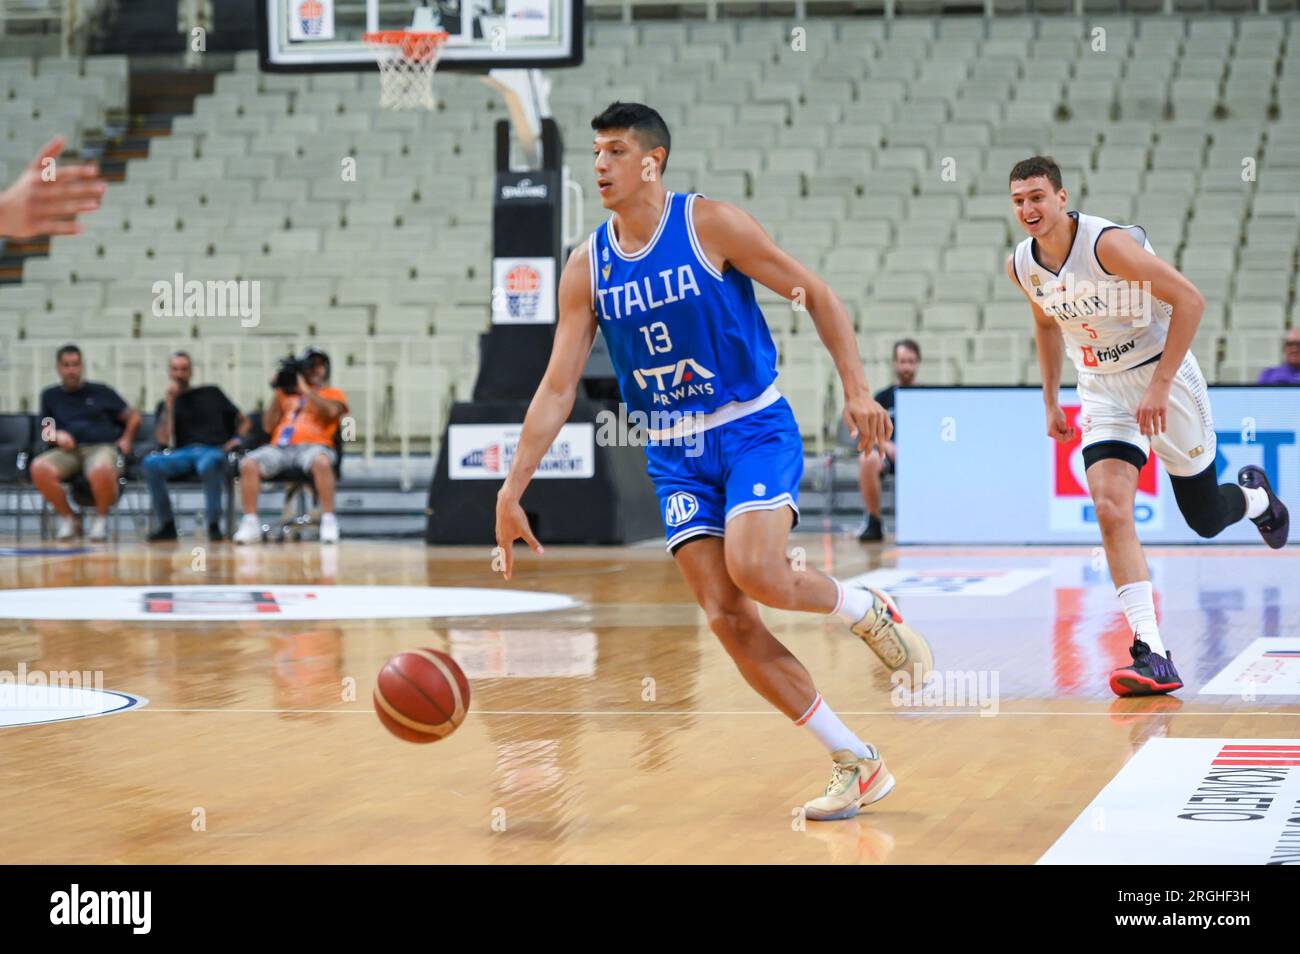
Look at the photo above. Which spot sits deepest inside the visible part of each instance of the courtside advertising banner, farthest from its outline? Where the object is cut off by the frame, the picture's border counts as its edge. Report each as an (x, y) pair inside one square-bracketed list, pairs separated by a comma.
[(485, 452), (975, 466), (1193, 802)]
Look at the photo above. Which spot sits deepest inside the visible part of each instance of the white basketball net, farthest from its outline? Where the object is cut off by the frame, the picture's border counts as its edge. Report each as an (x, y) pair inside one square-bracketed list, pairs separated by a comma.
[(406, 64)]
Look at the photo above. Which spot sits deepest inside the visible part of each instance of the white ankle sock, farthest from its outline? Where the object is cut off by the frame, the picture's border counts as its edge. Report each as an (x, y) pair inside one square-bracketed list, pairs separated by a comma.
[(1256, 501), (831, 732), (1140, 610), (851, 603)]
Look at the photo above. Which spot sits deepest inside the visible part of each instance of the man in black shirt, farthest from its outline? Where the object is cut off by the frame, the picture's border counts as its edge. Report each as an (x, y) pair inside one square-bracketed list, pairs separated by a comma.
[(197, 426), (92, 430), (907, 358)]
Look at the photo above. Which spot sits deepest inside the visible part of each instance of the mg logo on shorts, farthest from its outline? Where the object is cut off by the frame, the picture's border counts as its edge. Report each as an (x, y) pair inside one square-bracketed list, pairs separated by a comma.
[(680, 508)]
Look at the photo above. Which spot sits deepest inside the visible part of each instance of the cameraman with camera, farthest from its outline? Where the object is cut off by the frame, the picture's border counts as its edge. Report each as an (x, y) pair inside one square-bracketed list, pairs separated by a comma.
[(302, 419)]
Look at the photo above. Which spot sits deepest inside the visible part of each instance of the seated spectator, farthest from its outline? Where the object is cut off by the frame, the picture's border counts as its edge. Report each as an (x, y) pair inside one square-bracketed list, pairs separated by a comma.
[(93, 433), (1288, 373), (198, 427), (302, 422), (874, 464)]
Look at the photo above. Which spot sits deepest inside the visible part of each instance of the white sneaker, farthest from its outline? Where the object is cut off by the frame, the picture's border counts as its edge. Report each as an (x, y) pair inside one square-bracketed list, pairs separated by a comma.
[(250, 529), (855, 783), (329, 528), (899, 646), (98, 529), (67, 528)]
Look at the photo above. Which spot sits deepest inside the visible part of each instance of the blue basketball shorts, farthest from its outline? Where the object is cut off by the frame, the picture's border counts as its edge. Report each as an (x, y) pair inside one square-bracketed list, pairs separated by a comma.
[(751, 463)]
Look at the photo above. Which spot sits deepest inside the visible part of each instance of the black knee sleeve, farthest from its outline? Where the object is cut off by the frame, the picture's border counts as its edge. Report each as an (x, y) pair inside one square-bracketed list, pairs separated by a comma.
[(1206, 505), (1114, 450)]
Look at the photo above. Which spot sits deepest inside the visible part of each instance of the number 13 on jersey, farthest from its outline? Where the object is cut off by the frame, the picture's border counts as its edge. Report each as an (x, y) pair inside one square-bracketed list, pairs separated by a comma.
[(656, 338)]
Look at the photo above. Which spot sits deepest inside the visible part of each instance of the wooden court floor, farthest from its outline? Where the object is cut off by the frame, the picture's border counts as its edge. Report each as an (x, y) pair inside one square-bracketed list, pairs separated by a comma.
[(615, 730)]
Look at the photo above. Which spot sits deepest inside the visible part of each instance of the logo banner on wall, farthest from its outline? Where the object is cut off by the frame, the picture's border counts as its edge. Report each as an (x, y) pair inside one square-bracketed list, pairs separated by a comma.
[(1071, 505), (975, 466), (523, 291), (485, 451)]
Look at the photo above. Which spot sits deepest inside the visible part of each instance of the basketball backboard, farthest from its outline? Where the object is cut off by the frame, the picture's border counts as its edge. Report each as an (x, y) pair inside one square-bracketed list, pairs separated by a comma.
[(312, 36)]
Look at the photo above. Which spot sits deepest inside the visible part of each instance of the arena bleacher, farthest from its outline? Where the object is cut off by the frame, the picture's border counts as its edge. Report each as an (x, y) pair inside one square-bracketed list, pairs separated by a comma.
[(876, 150)]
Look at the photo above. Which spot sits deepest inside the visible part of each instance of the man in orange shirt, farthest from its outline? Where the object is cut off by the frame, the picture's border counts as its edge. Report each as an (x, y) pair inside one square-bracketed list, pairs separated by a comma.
[(302, 424)]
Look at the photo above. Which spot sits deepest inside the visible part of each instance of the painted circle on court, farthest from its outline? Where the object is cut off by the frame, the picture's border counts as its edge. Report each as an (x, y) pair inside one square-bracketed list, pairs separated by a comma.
[(24, 704), (289, 602)]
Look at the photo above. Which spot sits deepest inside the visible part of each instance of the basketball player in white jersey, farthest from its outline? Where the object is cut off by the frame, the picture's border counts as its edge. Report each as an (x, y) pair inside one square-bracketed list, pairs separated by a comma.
[(1127, 319), (668, 281)]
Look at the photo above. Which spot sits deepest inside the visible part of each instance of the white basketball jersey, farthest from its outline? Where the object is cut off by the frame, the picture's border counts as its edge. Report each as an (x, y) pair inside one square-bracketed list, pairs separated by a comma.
[(1108, 324)]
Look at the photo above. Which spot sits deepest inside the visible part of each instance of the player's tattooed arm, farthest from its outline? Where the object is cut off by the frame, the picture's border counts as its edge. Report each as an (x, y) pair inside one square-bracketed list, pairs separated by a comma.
[(733, 237), (1050, 351), (574, 333)]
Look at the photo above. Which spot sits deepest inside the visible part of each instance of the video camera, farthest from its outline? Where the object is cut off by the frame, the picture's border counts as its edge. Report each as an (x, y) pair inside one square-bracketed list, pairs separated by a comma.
[(291, 366)]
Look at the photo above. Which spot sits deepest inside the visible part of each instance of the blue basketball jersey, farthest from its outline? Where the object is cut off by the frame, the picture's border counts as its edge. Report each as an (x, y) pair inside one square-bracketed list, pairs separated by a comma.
[(682, 337)]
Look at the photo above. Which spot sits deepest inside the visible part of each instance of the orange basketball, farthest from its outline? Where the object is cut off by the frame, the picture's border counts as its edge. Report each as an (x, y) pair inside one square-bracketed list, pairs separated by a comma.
[(421, 695)]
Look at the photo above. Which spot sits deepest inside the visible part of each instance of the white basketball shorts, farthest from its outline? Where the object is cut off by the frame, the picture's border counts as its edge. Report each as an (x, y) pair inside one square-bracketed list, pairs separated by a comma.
[(1108, 412)]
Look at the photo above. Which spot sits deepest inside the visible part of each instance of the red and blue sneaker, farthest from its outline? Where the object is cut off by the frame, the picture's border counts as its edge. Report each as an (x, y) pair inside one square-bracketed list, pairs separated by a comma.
[(1274, 523), (1150, 675)]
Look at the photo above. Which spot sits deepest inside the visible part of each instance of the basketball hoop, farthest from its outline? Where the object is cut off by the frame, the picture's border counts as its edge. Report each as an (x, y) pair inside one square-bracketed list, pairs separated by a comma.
[(407, 59)]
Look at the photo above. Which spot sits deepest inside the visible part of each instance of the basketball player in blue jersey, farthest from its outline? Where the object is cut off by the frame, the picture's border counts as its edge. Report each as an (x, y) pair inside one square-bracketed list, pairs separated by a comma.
[(669, 281), (1127, 319)]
